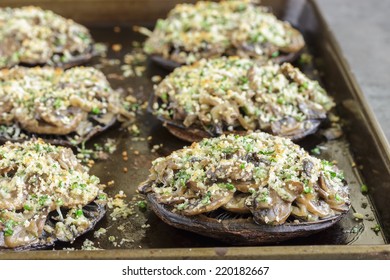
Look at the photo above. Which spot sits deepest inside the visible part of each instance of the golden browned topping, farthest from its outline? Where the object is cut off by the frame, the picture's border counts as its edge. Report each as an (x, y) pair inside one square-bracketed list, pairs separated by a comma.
[(209, 29), (268, 176), (38, 180), (226, 94), (75, 102)]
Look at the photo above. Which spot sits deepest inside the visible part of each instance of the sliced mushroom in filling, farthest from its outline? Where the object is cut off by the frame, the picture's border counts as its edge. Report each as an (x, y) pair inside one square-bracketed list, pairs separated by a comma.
[(268, 176)]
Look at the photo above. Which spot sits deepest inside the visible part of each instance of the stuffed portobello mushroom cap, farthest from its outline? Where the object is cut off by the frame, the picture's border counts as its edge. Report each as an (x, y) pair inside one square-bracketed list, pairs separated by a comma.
[(209, 29), (45, 195), (272, 182), (232, 94), (64, 107), (33, 36)]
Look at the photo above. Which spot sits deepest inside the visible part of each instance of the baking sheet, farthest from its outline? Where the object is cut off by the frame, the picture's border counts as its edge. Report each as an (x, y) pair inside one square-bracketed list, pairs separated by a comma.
[(361, 153)]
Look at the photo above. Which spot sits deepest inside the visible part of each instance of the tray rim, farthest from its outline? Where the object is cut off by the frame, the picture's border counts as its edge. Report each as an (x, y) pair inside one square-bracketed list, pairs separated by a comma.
[(253, 252), (319, 252)]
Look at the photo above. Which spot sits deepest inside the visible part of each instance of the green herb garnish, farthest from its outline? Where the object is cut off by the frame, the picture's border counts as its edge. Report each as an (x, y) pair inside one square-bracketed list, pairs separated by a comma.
[(316, 151), (364, 189), (267, 153), (275, 54), (95, 111), (79, 213), (142, 204), (206, 199), (27, 207)]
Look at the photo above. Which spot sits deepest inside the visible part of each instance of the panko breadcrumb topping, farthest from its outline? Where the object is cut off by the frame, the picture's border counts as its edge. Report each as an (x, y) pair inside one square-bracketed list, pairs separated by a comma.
[(225, 94), (268, 176)]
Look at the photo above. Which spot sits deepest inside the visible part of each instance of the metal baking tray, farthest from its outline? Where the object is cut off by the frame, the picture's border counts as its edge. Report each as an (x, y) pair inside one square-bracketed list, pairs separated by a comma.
[(363, 152)]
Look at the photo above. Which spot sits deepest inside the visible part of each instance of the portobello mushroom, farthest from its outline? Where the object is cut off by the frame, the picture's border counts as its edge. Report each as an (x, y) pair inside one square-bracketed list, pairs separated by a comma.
[(250, 189), (232, 94), (209, 29), (32, 36), (45, 195), (63, 107)]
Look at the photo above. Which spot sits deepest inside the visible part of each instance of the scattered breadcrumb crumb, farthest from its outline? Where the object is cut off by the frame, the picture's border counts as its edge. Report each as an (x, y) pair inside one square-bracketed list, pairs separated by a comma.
[(110, 183), (358, 216), (155, 148), (116, 47), (88, 245), (156, 79), (100, 232)]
